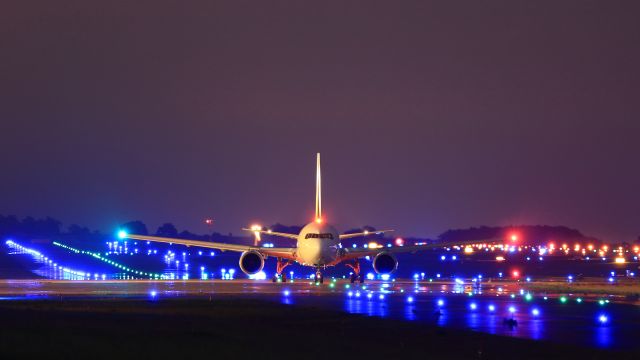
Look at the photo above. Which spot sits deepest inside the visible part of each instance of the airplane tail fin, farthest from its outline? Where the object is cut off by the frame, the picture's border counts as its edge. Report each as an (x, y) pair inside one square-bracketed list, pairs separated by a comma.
[(318, 190)]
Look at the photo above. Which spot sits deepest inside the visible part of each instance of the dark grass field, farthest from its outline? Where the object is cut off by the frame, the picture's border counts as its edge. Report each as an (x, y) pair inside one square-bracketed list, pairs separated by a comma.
[(242, 328)]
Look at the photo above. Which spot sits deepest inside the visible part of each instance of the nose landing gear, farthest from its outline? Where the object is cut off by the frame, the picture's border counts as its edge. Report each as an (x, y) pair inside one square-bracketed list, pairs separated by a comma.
[(318, 277)]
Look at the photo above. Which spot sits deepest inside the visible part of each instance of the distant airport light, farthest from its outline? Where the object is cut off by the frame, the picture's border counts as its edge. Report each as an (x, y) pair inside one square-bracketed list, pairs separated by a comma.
[(535, 312), (208, 221), (399, 242), (473, 306), (620, 260), (122, 234), (492, 308)]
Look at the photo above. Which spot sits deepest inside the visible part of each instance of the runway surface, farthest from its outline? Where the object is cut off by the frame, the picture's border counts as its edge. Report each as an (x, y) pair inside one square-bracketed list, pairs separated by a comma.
[(488, 307)]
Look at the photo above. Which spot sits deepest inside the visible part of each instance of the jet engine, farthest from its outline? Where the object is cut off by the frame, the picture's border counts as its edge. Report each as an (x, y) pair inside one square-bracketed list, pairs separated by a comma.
[(251, 262), (385, 263)]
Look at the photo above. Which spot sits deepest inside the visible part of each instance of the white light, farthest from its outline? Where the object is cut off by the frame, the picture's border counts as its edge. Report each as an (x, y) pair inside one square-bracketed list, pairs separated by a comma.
[(603, 319), (370, 276), (492, 308)]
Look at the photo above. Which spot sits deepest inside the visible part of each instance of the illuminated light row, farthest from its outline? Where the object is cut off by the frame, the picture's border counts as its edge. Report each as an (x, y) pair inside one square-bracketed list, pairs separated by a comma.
[(110, 262), (48, 261)]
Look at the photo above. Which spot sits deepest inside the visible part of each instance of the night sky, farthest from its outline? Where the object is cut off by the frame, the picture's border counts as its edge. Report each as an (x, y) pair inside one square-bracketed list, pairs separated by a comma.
[(428, 115)]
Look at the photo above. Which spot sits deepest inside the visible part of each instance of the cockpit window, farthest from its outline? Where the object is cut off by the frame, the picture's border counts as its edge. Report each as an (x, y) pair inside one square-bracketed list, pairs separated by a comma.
[(319, 236)]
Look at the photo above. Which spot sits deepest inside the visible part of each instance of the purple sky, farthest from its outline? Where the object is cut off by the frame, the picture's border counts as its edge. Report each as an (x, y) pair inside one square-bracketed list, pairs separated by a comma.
[(429, 115)]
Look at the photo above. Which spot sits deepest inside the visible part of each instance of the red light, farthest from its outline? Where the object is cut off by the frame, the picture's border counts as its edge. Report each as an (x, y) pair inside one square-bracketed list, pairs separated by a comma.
[(399, 241), (515, 273), (514, 237), (208, 221)]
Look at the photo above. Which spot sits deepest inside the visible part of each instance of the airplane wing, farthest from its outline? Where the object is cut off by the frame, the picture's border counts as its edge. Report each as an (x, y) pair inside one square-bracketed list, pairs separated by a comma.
[(365, 233), (269, 232), (286, 253), (353, 253)]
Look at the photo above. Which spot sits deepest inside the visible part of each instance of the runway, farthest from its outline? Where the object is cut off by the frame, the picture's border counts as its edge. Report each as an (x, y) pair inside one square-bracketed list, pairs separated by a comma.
[(486, 307)]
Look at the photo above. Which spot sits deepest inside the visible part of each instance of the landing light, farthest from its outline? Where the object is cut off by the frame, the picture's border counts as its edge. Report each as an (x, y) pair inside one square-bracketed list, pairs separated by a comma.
[(122, 234)]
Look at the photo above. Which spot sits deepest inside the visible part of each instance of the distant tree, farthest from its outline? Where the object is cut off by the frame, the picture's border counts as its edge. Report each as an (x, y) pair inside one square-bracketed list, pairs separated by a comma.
[(135, 227), (9, 225), (167, 230), (79, 231), (191, 236)]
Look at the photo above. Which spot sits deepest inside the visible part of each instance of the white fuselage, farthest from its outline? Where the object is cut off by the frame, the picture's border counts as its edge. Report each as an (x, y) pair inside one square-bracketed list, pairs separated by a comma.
[(318, 245)]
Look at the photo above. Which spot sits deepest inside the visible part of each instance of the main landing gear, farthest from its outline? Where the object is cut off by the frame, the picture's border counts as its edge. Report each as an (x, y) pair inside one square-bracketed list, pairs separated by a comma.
[(357, 275), (280, 266)]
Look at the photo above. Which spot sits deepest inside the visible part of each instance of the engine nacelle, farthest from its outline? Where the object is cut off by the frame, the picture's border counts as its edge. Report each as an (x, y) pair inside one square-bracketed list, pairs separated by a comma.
[(251, 262), (385, 263)]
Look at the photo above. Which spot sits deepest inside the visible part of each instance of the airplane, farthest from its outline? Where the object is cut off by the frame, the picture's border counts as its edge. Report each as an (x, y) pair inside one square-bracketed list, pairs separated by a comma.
[(318, 245)]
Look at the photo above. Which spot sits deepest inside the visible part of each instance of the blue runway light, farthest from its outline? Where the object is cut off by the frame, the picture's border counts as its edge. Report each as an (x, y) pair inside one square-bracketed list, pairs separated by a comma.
[(410, 299), (512, 309), (492, 308), (535, 312), (603, 319), (153, 293), (286, 293), (440, 302), (473, 306)]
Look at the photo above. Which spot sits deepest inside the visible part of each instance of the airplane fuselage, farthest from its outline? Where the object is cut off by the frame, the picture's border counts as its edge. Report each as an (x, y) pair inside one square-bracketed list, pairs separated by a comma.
[(318, 245)]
